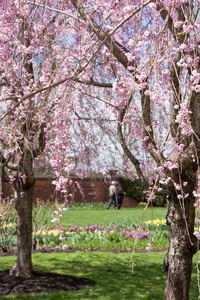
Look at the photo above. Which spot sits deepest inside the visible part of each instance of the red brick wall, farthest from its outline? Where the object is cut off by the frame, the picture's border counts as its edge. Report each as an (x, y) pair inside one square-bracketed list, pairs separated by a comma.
[(87, 189)]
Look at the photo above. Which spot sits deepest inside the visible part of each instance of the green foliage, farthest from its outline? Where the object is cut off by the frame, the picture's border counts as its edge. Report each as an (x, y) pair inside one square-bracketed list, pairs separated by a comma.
[(159, 201), (42, 214), (82, 217), (87, 205), (7, 225), (132, 189)]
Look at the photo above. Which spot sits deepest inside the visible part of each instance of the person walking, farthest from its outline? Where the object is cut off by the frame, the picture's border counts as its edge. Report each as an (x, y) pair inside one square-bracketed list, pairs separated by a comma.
[(120, 196), (112, 194)]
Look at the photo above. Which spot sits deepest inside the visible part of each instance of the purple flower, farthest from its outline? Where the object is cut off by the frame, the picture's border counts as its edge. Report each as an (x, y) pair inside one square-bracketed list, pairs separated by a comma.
[(87, 228), (80, 228), (71, 229), (131, 234), (136, 236), (144, 235), (125, 229), (108, 229), (60, 227), (116, 227)]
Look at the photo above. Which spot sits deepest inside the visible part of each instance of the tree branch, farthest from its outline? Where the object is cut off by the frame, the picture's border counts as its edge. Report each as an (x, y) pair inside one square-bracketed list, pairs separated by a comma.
[(100, 33), (41, 141), (129, 154), (178, 33), (121, 57), (94, 83)]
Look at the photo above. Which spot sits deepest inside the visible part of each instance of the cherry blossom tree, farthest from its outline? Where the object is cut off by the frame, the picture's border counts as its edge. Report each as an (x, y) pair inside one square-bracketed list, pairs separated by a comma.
[(29, 40), (38, 65), (140, 60), (150, 51)]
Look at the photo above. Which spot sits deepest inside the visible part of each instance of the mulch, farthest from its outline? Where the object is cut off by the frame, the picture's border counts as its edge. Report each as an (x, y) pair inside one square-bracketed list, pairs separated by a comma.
[(45, 282), (40, 282)]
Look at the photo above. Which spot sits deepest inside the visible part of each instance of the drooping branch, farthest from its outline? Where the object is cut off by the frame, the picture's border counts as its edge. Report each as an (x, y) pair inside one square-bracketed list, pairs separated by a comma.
[(148, 128), (178, 33), (122, 58), (56, 10), (127, 151)]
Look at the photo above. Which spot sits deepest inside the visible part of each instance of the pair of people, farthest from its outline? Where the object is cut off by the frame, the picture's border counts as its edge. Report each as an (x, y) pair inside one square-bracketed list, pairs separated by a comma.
[(116, 196)]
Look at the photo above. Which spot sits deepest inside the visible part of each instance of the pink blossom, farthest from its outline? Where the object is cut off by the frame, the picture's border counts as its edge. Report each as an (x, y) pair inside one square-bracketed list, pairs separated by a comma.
[(55, 220), (23, 176), (177, 186), (170, 165), (188, 28), (150, 245), (65, 247), (197, 195)]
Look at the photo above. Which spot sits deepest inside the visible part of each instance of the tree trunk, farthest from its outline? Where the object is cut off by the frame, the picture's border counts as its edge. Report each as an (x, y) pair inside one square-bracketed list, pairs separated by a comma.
[(178, 260), (24, 200), (23, 193)]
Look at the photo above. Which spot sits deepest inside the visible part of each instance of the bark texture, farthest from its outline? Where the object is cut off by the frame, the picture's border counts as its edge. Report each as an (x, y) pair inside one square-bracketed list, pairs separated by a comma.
[(23, 193), (178, 260)]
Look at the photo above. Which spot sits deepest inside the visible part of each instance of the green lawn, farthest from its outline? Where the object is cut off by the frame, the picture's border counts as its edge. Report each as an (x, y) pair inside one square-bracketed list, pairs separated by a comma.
[(83, 217), (111, 272)]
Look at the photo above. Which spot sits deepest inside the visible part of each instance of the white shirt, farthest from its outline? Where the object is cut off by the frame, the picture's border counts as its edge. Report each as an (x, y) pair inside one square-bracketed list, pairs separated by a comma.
[(112, 190)]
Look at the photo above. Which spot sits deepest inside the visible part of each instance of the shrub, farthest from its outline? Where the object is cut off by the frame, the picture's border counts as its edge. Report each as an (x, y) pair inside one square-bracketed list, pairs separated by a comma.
[(134, 189)]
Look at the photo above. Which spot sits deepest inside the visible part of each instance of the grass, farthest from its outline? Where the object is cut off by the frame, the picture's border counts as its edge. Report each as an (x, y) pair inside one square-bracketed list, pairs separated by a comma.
[(111, 272), (81, 217)]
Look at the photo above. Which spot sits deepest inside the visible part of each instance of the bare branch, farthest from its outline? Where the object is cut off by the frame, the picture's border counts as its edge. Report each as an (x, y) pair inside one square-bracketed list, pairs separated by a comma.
[(56, 10), (148, 129), (178, 33), (94, 83), (129, 154)]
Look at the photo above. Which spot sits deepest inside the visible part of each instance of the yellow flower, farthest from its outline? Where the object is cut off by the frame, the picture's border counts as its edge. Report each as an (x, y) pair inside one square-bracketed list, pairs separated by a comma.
[(156, 222)]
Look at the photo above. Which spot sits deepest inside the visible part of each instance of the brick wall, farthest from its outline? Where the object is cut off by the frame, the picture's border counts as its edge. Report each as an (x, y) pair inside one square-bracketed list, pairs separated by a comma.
[(87, 189)]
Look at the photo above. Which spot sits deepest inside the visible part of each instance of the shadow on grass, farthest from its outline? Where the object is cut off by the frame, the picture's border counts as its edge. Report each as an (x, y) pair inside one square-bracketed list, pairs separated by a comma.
[(111, 272)]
